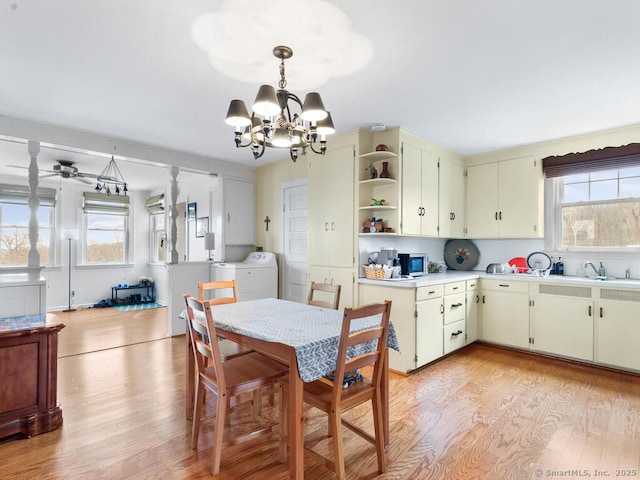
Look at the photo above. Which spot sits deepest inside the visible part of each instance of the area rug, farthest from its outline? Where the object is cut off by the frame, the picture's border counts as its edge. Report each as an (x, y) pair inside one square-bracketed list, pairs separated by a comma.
[(137, 306)]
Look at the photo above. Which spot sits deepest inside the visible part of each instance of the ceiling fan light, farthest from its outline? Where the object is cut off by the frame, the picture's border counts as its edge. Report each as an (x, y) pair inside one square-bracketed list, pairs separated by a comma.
[(237, 115), (313, 108), (266, 103)]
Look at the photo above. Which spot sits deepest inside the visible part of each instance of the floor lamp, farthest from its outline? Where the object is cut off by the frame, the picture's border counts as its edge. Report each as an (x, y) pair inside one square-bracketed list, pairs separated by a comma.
[(70, 235)]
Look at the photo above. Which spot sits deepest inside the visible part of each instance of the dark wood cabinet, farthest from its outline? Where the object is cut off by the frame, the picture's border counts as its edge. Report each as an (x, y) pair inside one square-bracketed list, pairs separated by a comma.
[(28, 376)]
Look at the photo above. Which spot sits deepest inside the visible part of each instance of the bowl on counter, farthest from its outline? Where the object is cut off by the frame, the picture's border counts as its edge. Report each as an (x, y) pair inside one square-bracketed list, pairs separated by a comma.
[(495, 268)]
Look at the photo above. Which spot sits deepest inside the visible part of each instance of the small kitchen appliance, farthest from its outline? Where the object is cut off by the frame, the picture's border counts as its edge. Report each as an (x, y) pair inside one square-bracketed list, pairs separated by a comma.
[(413, 264)]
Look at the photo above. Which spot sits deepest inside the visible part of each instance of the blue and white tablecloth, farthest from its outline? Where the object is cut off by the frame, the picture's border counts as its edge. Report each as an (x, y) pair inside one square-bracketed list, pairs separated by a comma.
[(314, 332)]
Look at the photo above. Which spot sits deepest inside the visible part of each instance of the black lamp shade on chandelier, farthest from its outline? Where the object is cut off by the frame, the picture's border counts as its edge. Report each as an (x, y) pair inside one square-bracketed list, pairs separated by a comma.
[(272, 123)]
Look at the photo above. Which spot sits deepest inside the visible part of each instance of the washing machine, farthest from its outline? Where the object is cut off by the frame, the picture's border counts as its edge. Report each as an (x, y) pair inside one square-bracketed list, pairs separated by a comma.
[(257, 275)]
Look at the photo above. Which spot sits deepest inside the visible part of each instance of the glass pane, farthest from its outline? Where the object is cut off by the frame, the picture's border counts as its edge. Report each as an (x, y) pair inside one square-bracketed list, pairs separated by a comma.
[(630, 187), (604, 190), (578, 192), (16, 215), (630, 172), (158, 221), (105, 247), (106, 222), (581, 177), (14, 245), (44, 246), (44, 216), (608, 225), (604, 175), (159, 246)]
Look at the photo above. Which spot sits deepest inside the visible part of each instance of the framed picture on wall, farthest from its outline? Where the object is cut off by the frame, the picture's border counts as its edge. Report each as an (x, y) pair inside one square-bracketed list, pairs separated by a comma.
[(191, 211), (202, 226)]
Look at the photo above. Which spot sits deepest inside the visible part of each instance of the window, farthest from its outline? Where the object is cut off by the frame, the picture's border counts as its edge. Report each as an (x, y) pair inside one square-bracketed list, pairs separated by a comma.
[(158, 238), (599, 209), (106, 220), (14, 225)]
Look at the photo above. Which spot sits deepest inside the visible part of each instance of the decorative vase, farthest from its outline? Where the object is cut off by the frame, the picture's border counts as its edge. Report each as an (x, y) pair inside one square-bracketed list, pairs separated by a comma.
[(385, 170)]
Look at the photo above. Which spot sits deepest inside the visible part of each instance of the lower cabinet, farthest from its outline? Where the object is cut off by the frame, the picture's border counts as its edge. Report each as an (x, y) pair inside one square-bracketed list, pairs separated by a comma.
[(617, 318), (505, 312), (453, 323), (562, 320), (429, 317), (472, 313)]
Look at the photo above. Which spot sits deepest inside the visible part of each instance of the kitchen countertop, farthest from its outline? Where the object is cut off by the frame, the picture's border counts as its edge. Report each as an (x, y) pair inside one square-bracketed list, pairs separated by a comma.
[(458, 276)]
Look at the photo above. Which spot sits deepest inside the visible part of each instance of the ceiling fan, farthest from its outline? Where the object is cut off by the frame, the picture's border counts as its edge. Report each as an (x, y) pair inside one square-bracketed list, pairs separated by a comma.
[(65, 169)]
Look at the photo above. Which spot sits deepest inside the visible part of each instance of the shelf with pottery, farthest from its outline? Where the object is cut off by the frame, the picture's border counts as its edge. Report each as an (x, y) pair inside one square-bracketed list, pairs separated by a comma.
[(379, 191)]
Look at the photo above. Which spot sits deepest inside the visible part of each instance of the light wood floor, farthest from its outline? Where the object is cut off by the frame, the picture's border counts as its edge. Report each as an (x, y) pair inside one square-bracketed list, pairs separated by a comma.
[(483, 413), (92, 329)]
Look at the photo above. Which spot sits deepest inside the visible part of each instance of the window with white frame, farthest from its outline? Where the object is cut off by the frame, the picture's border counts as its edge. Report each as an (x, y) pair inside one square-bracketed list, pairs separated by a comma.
[(158, 237), (597, 202), (14, 225), (106, 229)]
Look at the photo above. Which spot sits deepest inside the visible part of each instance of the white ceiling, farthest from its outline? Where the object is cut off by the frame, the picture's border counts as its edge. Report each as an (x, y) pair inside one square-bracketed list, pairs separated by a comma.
[(472, 76)]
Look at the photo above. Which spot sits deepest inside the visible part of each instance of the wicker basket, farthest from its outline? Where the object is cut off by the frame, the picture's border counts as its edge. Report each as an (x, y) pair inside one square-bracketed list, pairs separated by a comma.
[(377, 273)]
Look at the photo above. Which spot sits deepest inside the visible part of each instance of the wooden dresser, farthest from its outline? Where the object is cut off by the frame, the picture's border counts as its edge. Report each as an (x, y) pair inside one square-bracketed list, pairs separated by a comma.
[(28, 374)]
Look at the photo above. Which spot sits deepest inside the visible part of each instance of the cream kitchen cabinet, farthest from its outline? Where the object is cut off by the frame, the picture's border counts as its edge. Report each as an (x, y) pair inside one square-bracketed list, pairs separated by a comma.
[(562, 320), (419, 191), (429, 315), (505, 199), (472, 314), (453, 322), (330, 208), (450, 199), (505, 312), (617, 318), (240, 212)]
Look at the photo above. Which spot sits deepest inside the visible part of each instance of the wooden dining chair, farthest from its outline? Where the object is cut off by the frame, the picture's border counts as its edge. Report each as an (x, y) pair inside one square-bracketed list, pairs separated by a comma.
[(219, 293), (246, 373), (324, 295), (334, 399)]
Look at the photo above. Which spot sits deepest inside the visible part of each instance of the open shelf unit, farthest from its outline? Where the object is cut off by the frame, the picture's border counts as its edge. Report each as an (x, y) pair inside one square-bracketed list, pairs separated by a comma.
[(386, 189)]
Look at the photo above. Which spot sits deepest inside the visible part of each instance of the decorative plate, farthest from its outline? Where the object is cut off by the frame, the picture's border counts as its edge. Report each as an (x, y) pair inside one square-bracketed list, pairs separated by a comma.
[(461, 254)]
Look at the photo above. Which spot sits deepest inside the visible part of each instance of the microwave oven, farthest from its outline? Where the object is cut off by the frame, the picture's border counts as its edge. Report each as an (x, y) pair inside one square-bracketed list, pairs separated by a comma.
[(413, 264)]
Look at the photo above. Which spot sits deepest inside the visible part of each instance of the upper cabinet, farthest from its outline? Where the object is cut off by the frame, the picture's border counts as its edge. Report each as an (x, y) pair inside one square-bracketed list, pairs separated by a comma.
[(451, 199), (419, 191), (505, 199), (240, 212)]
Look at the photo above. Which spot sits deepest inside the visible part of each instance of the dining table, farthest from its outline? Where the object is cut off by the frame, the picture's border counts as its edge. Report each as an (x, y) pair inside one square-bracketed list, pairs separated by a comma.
[(304, 337)]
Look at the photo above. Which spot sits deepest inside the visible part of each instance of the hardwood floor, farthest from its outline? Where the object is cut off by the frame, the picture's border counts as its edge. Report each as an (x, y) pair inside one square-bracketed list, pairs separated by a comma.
[(483, 413), (92, 329)]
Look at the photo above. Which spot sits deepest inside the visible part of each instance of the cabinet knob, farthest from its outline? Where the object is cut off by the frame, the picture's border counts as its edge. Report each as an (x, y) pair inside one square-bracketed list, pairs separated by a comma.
[(333, 226), (456, 305), (326, 226)]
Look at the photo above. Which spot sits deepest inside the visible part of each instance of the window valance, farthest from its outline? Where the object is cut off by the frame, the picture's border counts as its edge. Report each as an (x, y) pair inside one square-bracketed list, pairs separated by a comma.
[(607, 158), (106, 204), (20, 194)]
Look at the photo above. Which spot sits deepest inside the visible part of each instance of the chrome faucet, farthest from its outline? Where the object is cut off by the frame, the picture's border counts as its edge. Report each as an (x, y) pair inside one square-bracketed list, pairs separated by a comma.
[(599, 271)]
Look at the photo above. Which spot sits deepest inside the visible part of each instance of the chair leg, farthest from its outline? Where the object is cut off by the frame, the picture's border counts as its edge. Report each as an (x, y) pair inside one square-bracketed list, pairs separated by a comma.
[(378, 424), (197, 413), (218, 434), (338, 452)]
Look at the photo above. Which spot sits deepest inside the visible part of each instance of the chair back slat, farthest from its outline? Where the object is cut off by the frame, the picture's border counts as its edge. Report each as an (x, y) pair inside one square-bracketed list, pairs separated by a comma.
[(349, 340), (230, 295), (202, 332), (328, 296)]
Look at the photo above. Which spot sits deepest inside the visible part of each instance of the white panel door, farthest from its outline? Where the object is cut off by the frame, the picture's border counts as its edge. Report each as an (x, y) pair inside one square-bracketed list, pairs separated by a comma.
[(294, 238)]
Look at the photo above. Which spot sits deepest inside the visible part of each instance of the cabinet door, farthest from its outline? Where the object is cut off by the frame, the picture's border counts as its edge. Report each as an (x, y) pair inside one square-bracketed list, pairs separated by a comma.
[(429, 331), (331, 208), (519, 198), (482, 201), (505, 318), (563, 325), (618, 333), (411, 189), (451, 200), (472, 315), (240, 206), (429, 197), (345, 278)]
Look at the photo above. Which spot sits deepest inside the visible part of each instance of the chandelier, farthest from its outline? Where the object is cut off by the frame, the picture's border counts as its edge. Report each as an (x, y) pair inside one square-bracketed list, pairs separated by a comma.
[(111, 180), (272, 124)]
